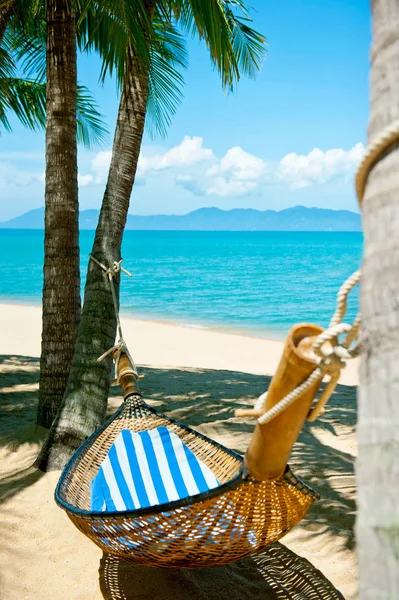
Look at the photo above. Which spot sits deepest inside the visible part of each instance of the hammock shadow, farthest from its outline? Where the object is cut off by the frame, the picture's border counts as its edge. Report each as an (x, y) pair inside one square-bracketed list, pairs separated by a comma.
[(275, 574)]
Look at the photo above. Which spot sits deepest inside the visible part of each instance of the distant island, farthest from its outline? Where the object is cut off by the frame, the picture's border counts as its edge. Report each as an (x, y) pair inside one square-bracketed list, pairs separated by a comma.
[(297, 218)]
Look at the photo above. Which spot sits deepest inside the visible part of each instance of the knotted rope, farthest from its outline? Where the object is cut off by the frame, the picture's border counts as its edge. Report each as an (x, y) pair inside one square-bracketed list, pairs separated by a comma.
[(120, 345), (332, 362), (329, 361)]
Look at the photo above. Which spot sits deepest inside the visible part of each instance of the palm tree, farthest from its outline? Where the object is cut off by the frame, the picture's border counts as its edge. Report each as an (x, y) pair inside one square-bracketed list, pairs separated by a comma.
[(61, 286), (378, 465), (23, 39), (235, 48)]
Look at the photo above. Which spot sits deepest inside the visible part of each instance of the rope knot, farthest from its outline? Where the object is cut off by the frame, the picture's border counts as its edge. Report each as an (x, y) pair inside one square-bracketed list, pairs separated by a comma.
[(113, 269), (120, 347), (331, 356), (331, 364)]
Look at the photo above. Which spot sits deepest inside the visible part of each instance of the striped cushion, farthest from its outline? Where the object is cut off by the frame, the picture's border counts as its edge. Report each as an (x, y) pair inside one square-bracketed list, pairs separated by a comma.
[(148, 468)]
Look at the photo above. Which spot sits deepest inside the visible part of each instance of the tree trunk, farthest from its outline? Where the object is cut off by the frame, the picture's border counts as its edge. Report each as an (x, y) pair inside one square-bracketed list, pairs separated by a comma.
[(84, 406), (61, 288), (378, 430)]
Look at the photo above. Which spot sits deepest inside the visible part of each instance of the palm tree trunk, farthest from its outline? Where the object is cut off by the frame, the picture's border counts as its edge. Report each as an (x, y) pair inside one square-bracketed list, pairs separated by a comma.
[(378, 466), (61, 289), (84, 406)]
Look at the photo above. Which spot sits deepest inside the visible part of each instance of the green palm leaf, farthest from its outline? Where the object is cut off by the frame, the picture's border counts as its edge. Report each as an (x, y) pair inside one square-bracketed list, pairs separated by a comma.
[(91, 131), (235, 48), (168, 57), (26, 99), (26, 96)]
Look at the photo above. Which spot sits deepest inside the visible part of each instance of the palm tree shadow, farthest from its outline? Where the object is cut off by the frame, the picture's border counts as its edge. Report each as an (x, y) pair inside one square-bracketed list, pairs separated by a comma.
[(275, 574), (19, 376)]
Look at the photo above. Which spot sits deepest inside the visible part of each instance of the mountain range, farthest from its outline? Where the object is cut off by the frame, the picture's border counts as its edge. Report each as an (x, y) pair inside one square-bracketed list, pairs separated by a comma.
[(297, 218)]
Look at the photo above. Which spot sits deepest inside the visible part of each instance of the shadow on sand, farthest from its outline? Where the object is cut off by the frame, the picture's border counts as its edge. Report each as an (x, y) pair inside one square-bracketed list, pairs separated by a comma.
[(275, 574), (205, 400)]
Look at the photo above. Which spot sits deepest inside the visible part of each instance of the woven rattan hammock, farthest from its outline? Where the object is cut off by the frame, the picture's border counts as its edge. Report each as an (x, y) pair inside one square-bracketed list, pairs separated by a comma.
[(258, 500)]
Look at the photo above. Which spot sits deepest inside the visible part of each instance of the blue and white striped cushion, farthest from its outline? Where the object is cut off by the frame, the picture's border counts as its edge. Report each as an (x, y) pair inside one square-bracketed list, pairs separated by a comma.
[(148, 468)]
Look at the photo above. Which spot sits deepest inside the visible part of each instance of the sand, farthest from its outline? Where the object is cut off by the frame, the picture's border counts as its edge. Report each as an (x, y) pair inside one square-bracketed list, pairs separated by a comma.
[(198, 376)]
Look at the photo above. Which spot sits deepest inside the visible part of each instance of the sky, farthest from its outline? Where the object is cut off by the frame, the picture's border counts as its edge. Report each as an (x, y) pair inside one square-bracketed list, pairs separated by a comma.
[(294, 135)]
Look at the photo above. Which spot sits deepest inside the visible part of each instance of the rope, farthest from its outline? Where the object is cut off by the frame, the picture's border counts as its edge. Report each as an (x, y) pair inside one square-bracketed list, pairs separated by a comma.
[(329, 362), (120, 345), (373, 154), (332, 363), (342, 297)]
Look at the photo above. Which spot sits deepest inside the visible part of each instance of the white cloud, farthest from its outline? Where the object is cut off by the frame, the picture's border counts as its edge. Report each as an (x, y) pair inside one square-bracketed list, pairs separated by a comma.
[(318, 167), (237, 173), (100, 165), (11, 176), (222, 187), (85, 180), (240, 165), (190, 183), (197, 169), (188, 152)]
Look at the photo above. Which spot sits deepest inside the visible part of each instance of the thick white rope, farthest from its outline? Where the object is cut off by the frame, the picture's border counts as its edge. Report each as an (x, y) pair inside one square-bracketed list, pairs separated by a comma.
[(372, 154), (332, 363), (328, 363), (120, 345), (342, 297)]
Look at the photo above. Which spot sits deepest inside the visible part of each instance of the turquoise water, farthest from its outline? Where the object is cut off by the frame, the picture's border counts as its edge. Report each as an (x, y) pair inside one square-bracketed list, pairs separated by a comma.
[(255, 282)]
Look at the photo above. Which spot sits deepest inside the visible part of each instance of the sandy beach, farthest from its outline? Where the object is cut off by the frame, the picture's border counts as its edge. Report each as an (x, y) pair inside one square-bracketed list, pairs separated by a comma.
[(198, 376)]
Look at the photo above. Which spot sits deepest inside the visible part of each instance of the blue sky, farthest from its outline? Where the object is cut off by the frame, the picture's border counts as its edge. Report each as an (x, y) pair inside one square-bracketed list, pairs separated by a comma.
[(292, 136)]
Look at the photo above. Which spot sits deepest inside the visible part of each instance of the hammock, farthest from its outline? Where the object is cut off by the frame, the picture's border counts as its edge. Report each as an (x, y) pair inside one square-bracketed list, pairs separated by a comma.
[(251, 501)]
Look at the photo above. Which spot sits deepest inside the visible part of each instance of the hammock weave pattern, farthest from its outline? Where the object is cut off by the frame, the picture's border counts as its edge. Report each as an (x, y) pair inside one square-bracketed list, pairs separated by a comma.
[(240, 517)]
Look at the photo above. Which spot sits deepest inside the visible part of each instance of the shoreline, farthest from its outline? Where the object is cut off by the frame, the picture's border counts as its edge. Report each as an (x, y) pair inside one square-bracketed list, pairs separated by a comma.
[(163, 343), (128, 313)]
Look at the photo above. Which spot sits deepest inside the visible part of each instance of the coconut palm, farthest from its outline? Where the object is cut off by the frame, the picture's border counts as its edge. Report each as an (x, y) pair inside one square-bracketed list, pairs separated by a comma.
[(61, 301), (24, 26), (378, 465), (61, 281), (235, 49)]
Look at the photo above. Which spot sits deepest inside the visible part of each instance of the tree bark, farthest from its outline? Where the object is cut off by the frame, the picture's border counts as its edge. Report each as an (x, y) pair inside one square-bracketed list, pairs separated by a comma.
[(378, 430), (61, 287), (84, 406)]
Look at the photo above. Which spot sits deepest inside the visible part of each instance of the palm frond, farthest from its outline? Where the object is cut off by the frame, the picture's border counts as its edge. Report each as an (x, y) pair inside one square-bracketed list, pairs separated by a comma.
[(248, 45), (26, 99), (91, 130), (26, 95), (235, 47), (168, 56), (29, 51), (107, 28)]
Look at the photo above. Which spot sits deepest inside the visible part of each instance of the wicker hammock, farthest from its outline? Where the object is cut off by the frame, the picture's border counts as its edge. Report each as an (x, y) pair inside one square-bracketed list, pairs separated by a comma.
[(240, 517)]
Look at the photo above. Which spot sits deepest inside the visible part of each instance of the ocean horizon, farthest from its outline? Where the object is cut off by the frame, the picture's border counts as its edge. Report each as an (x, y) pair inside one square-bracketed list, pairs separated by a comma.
[(258, 283)]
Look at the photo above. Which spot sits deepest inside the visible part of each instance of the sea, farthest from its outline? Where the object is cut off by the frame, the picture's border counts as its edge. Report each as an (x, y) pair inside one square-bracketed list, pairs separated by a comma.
[(249, 282)]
